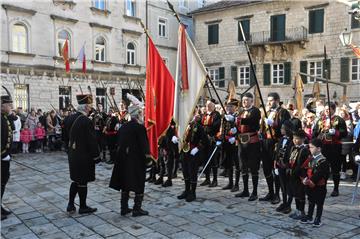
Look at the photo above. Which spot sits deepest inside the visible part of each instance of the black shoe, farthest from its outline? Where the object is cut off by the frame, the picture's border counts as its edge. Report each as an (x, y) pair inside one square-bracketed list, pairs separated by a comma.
[(168, 183), (253, 197), (267, 198), (281, 207), (286, 209), (227, 187), (190, 197), (3, 217), (275, 200), (205, 183), (139, 213), (306, 220), (87, 210), (183, 195), (5, 212), (243, 194), (235, 188), (125, 211), (71, 208), (317, 222), (334, 193), (159, 181), (213, 184)]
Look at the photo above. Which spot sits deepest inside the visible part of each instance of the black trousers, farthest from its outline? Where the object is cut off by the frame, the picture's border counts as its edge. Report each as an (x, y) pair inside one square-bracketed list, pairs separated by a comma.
[(230, 156), (111, 142), (190, 167), (316, 197), (267, 156), (332, 153), (101, 140), (5, 175), (250, 158)]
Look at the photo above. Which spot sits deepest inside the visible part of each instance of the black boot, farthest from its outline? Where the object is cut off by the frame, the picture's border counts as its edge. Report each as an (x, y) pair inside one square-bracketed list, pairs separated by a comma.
[(207, 178), (245, 192), (231, 181), (4, 212), (184, 194), (82, 190), (237, 179), (336, 179), (253, 195), (137, 210), (192, 195), (270, 195), (124, 204), (214, 182), (159, 181), (167, 183), (72, 194)]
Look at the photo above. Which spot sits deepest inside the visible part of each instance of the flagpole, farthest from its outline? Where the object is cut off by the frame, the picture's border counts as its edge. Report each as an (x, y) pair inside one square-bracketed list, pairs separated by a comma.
[(327, 83), (254, 73), (207, 75)]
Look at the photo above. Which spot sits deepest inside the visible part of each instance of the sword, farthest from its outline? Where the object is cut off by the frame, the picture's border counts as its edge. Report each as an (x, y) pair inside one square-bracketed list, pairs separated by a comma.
[(207, 163)]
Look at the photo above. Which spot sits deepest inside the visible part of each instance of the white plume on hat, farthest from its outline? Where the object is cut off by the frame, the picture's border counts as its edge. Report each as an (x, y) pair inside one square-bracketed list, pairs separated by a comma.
[(135, 106), (134, 100)]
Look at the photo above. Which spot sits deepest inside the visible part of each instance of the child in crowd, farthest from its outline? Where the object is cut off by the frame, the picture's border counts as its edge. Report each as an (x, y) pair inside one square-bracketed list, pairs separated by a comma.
[(317, 174), (25, 138), (39, 136)]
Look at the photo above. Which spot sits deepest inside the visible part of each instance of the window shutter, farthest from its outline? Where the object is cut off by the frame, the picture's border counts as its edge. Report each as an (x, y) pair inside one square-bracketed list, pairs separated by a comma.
[(234, 75), (344, 69), (221, 76), (327, 65), (287, 73), (252, 76), (246, 27), (267, 72), (303, 69), (213, 34), (319, 20)]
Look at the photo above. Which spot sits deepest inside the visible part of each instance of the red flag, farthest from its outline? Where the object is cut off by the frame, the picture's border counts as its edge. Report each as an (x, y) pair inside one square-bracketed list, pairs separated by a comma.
[(183, 59), (65, 55), (159, 99), (356, 50)]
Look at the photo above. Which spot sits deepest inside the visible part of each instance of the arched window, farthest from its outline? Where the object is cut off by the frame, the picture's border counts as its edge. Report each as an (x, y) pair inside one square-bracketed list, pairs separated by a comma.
[(130, 52), (19, 38), (61, 38), (100, 49)]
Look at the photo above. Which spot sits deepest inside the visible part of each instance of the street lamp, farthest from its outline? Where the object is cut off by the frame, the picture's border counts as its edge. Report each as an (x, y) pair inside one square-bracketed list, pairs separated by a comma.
[(345, 37)]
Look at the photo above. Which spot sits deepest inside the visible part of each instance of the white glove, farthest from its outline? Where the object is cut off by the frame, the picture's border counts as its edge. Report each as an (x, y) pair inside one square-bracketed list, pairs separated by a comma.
[(174, 139), (229, 118), (276, 171), (232, 140), (194, 151), (233, 130), (332, 131), (218, 143), (304, 180), (269, 121), (357, 158)]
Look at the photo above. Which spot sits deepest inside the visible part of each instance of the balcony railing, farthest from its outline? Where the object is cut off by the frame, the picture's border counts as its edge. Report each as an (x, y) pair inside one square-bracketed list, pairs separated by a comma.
[(270, 37)]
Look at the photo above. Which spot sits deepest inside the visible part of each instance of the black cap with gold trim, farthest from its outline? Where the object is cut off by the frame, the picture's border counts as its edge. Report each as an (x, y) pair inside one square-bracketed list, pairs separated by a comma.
[(84, 99)]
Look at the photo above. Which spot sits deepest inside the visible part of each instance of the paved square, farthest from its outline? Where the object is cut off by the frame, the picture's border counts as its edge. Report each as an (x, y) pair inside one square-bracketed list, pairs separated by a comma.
[(38, 190)]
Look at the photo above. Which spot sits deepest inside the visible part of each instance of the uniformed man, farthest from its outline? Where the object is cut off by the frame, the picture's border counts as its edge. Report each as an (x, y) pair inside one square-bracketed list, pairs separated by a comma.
[(132, 156), (230, 145), (248, 124), (331, 132), (83, 153), (100, 123), (211, 122), (195, 141), (112, 125), (271, 133), (6, 141)]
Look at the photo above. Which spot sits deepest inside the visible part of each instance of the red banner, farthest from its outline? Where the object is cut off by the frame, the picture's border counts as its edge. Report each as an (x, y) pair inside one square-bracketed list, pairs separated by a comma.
[(65, 54)]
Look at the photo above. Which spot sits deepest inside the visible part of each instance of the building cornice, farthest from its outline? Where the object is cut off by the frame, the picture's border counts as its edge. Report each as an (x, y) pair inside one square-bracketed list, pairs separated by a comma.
[(317, 6), (18, 9), (131, 18), (64, 19), (99, 11), (167, 47), (103, 63), (212, 64), (213, 21), (20, 54), (127, 31), (94, 24), (243, 17)]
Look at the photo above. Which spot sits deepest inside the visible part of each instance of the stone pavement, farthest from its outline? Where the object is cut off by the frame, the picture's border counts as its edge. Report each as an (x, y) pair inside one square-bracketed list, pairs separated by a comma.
[(38, 190)]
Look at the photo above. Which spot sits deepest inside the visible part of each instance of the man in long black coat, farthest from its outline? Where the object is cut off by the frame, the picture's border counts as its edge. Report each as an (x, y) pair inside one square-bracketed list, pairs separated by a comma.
[(130, 163), (83, 153)]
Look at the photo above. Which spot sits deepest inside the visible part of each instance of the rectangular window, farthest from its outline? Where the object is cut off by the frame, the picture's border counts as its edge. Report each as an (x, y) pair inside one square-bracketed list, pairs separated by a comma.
[(243, 76), (214, 75), (213, 34), (355, 69), (354, 23), (278, 74), (246, 27), (277, 27), (19, 38), (316, 21), (21, 96), (100, 53), (315, 69), (162, 27), (130, 8), (64, 97), (101, 97), (99, 4)]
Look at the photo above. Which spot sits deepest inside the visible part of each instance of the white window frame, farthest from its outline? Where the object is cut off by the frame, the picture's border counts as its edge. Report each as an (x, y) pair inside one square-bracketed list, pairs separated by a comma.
[(243, 76), (215, 76), (357, 70), (60, 43), (97, 4), (315, 68), (131, 54), (100, 50), (130, 8), (280, 78), (22, 39), (64, 96), (21, 96), (162, 27)]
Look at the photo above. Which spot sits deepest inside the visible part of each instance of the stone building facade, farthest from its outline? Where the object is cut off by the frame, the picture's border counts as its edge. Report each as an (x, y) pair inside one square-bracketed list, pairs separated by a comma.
[(285, 37), (33, 33)]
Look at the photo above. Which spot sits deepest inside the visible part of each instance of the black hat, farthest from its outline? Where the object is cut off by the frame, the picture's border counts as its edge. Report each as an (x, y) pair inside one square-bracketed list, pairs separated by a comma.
[(6, 98), (287, 125), (84, 99), (248, 95), (300, 134), (233, 102)]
